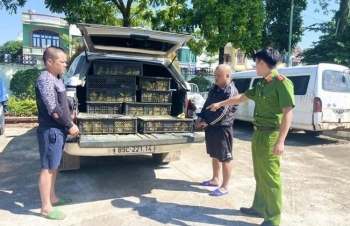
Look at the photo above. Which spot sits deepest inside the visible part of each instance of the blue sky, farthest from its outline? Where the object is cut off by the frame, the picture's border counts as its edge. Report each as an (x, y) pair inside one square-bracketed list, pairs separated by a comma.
[(11, 24)]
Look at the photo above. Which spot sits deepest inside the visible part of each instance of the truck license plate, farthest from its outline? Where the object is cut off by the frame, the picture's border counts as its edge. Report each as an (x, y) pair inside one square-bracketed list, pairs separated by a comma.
[(134, 149)]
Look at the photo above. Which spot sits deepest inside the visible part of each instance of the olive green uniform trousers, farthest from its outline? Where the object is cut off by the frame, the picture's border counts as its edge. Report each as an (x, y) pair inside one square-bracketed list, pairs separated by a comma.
[(268, 192)]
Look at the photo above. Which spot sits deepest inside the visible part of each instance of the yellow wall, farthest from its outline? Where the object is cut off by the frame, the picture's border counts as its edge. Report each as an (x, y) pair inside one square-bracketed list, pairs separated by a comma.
[(234, 60)]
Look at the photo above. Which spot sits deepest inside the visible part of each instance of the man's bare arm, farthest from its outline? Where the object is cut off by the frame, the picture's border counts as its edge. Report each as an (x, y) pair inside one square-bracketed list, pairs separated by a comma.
[(240, 98), (285, 124)]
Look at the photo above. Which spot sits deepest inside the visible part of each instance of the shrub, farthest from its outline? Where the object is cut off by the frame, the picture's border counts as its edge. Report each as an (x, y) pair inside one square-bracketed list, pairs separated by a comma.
[(22, 84), (24, 107), (201, 82)]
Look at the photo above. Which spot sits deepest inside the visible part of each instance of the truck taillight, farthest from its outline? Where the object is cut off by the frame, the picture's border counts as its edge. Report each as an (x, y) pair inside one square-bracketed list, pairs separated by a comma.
[(189, 110), (317, 105), (74, 116), (189, 105)]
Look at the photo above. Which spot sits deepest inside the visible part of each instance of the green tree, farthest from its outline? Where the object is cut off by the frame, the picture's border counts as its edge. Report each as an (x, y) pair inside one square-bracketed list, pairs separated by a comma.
[(334, 45), (69, 42), (77, 51), (85, 11), (104, 11), (220, 22), (12, 5), (210, 59), (22, 84), (276, 23), (175, 17), (201, 82), (12, 47)]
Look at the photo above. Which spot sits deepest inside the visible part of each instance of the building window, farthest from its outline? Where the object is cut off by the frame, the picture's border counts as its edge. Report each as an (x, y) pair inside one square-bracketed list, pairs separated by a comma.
[(240, 58), (45, 38), (227, 58)]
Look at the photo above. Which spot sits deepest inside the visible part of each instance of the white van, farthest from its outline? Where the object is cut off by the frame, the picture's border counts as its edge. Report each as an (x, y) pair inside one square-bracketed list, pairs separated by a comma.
[(322, 96)]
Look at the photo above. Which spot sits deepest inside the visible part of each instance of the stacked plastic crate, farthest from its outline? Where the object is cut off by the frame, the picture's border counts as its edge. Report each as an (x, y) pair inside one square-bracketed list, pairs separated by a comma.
[(111, 84), (154, 97), (153, 110)]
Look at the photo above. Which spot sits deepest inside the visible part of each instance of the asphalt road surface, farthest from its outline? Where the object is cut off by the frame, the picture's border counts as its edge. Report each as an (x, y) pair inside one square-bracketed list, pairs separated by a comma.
[(134, 191)]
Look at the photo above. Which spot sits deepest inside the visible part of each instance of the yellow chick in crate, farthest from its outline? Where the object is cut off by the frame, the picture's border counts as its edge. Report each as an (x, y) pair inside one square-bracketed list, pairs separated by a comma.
[(181, 116)]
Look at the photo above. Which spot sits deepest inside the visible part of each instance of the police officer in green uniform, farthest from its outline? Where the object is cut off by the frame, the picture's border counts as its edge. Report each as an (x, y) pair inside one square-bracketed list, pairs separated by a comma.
[(274, 103)]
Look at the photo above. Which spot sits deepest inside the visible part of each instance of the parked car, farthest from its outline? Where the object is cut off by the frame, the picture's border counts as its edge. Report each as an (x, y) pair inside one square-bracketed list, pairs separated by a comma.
[(322, 96), (127, 97)]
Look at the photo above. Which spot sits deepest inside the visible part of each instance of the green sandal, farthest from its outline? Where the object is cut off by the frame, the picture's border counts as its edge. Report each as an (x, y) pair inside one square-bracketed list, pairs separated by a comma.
[(62, 201), (55, 215)]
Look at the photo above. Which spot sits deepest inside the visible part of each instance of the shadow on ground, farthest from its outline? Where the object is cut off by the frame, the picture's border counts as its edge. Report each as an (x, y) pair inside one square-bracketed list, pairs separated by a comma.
[(171, 213), (99, 178), (244, 131)]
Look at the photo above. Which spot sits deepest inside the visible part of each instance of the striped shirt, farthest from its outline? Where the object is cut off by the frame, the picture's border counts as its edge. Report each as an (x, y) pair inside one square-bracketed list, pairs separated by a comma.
[(224, 116)]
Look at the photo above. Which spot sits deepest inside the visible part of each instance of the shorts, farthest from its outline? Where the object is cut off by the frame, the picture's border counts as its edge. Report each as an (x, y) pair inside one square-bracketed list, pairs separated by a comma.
[(51, 143), (218, 140)]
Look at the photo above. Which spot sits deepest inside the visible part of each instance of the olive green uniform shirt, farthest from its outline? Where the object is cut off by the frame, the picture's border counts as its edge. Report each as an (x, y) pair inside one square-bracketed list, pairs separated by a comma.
[(271, 94)]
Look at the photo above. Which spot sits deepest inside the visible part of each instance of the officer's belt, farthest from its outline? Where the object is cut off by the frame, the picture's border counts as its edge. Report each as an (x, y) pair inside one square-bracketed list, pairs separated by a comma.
[(266, 128)]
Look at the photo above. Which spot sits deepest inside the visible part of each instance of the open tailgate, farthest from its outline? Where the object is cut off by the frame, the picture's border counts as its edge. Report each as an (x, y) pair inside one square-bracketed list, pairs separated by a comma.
[(111, 39)]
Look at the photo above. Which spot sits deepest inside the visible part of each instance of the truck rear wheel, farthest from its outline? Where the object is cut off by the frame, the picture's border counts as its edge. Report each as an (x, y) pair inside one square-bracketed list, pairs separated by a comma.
[(69, 162), (165, 158)]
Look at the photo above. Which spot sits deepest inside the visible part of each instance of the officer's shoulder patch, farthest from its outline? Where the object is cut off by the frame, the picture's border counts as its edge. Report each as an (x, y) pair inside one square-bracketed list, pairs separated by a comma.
[(280, 77)]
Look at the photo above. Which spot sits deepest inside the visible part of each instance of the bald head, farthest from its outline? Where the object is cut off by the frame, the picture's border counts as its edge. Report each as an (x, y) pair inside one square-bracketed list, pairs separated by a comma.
[(222, 75), (224, 68), (55, 60), (52, 53)]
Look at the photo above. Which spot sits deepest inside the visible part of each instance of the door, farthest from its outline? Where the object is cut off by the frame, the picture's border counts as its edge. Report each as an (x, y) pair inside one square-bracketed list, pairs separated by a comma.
[(111, 39), (244, 110), (334, 92)]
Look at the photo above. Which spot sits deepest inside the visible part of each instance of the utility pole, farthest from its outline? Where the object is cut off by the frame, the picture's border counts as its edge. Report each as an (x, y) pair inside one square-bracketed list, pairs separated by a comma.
[(290, 34)]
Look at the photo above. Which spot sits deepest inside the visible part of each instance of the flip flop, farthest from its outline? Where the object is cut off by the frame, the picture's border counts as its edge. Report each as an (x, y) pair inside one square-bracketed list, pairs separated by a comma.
[(55, 214), (217, 192), (208, 183), (62, 201)]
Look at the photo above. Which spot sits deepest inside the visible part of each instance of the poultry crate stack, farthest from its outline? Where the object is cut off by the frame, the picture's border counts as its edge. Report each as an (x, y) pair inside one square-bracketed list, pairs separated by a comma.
[(153, 111), (95, 124), (111, 84), (154, 95)]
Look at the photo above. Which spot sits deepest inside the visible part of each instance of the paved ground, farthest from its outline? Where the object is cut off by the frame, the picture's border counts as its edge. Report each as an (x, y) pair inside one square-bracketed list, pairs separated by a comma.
[(133, 191)]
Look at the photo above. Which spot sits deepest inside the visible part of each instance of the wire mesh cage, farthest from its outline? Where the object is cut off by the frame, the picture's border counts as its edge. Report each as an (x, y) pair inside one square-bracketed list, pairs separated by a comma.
[(154, 83), (156, 96), (154, 124), (146, 109), (117, 68), (112, 108), (111, 95), (111, 82), (106, 124)]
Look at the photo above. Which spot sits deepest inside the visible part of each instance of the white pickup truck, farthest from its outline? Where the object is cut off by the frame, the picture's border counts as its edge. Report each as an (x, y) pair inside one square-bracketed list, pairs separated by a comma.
[(127, 97)]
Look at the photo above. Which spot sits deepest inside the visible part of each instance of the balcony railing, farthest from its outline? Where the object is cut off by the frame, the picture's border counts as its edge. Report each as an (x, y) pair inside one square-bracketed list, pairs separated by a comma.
[(33, 17), (33, 50)]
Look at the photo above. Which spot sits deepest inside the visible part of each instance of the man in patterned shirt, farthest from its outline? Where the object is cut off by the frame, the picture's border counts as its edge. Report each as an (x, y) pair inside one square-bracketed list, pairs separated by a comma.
[(54, 120)]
